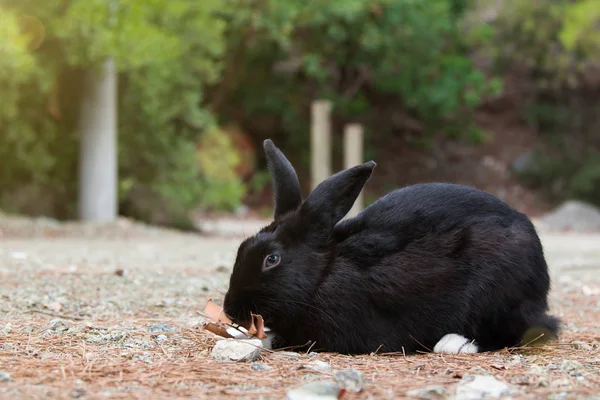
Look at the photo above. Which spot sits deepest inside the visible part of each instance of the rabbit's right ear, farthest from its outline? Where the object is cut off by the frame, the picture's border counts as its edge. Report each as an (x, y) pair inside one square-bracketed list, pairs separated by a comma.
[(331, 200), (286, 186)]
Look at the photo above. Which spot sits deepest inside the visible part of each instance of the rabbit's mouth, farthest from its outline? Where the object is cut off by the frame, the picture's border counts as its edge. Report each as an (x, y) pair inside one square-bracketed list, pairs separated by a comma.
[(238, 311)]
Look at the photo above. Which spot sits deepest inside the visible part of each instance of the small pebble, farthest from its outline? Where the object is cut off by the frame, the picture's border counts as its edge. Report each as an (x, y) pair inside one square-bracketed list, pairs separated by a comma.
[(538, 369), (5, 377), (350, 379), (221, 268), (571, 367), (143, 357), (583, 346), (7, 328), (57, 325), (77, 393), (237, 350), (319, 390), (474, 387), (543, 382), (261, 367), (428, 392), (160, 327), (161, 338), (318, 365)]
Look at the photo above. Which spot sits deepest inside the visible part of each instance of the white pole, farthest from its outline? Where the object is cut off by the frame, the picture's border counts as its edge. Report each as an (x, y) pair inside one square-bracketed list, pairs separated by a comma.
[(320, 141), (98, 147), (354, 155)]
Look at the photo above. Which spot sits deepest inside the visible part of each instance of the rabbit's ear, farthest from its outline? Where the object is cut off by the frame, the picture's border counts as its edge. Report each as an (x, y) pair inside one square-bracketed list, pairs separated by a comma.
[(286, 186), (331, 200)]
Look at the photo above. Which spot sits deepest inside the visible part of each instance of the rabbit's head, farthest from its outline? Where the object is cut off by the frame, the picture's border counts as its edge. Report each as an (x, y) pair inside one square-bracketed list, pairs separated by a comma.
[(278, 270)]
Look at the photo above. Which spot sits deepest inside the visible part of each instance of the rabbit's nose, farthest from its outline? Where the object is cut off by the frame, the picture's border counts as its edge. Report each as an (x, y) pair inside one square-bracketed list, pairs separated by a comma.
[(236, 309)]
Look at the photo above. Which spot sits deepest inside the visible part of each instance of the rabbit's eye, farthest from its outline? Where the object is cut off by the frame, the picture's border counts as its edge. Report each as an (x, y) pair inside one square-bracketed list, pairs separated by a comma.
[(271, 261)]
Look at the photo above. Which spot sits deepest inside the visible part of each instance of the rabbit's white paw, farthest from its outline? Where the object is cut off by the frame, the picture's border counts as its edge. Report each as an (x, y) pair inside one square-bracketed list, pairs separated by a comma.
[(455, 344)]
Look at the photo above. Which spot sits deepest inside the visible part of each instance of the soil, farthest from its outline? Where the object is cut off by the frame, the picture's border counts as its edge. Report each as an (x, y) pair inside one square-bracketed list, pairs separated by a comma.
[(111, 311)]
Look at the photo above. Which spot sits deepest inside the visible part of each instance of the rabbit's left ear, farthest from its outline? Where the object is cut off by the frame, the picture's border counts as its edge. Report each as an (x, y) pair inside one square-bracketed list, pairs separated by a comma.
[(331, 200), (286, 186)]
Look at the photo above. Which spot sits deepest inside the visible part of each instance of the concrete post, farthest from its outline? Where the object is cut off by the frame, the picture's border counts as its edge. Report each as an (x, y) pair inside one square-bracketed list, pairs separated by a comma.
[(354, 155), (320, 141), (98, 196)]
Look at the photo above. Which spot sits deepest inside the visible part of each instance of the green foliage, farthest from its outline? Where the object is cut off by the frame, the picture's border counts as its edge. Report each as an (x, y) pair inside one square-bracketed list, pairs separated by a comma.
[(557, 43), (580, 28), (17, 65), (222, 188), (167, 52), (554, 39), (374, 59), (21, 80), (360, 54), (259, 181)]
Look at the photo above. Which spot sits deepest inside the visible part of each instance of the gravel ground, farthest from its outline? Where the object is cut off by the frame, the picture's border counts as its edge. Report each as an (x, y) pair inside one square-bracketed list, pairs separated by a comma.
[(111, 311)]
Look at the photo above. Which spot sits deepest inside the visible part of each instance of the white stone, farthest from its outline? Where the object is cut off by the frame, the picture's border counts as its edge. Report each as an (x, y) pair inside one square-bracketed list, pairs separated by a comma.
[(5, 377), (571, 366), (318, 365), (475, 387), (237, 350), (350, 379), (320, 390)]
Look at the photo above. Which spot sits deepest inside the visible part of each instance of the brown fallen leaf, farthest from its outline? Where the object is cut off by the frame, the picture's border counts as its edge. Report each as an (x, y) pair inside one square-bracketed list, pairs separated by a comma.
[(220, 330), (259, 323), (252, 327), (216, 313), (256, 326)]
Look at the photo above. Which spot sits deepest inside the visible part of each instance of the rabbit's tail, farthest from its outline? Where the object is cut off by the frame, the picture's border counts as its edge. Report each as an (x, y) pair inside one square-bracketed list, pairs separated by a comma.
[(542, 329), (551, 323)]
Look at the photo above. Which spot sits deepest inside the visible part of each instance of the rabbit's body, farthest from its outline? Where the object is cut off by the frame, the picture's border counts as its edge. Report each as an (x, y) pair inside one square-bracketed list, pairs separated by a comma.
[(431, 266)]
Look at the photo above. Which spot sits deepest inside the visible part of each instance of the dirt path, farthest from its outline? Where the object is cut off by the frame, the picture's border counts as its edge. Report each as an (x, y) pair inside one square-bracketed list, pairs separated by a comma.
[(86, 314)]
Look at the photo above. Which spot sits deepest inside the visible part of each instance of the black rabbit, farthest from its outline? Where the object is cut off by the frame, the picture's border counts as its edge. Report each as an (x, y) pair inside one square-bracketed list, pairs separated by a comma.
[(433, 266)]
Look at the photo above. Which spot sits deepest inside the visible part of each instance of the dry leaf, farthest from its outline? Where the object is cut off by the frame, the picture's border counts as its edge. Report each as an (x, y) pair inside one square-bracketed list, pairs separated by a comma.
[(258, 321), (216, 313), (252, 328), (256, 326), (220, 330)]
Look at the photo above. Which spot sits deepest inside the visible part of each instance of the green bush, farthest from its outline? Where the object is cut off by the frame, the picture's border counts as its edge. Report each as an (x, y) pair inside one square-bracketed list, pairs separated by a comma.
[(167, 52), (368, 57), (220, 185), (556, 43), (382, 63)]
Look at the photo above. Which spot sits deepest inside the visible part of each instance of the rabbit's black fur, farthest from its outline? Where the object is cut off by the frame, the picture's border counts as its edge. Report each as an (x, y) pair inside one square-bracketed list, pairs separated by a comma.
[(420, 263)]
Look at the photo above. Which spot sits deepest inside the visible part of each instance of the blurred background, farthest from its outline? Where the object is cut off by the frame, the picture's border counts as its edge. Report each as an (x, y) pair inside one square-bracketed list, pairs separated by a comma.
[(503, 95)]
